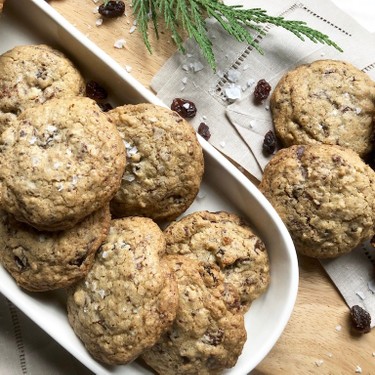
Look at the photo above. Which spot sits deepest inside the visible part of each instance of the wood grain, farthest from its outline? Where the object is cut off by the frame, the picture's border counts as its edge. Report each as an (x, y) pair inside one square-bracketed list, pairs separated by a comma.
[(312, 342)]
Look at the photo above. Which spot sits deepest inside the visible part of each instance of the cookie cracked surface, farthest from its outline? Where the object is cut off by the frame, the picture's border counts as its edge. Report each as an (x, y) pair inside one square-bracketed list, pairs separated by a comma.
[(60, 162), (325, 196), (327, 101), (129, 297), (208, 333), (223, 239), (32, 74), (41, 261), (164, 162)]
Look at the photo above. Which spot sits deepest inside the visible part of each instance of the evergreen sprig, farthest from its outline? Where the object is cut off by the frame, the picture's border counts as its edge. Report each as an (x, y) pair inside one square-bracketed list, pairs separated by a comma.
[(190, 15)]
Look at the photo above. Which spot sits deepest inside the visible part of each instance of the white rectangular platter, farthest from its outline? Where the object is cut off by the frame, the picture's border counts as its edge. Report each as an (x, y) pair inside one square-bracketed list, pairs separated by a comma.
[(223, 188)]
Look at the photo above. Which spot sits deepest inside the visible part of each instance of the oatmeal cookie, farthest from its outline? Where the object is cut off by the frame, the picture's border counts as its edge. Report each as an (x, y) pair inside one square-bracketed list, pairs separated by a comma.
[(325, 196), (224, 239), (33, 74), (327, 101), (129, 297), (164, 162), (41, 261), (60, 162), (208, 334)]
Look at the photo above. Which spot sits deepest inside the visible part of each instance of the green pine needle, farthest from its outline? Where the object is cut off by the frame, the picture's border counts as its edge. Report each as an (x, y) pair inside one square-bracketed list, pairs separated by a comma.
[(190, 15)]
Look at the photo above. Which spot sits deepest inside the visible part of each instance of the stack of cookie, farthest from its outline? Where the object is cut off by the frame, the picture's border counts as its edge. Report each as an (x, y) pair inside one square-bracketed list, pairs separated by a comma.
[(320, 183), (61, 163), (84, 195), (175, 298)]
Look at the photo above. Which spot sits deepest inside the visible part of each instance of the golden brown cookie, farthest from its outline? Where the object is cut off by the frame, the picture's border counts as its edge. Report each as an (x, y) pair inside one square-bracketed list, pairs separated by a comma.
[(327, 101), (32, 74), (223, 239), (325, 196), (60, 162), (129, 297), (208, 334), (164, 162), (41, 261)]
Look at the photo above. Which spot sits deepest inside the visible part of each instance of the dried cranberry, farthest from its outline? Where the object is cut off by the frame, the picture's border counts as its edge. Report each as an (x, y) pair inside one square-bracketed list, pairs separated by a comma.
[(105, 107), (185, 108), (262, 90), (361, 319), (269, 143), (112, 9), (95, 91), (204, 131)]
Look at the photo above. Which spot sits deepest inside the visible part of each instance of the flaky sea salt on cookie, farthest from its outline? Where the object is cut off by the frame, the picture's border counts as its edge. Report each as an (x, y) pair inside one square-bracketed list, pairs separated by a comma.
[(208, 334), (327, 101), (60, 162), (129, 297), (32, 74), (41, 261), (164, 162), (223, 239), (325, 196)]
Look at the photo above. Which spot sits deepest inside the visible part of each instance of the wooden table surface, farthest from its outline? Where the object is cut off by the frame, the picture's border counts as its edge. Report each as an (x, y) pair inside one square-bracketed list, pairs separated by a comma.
[(312, 342)]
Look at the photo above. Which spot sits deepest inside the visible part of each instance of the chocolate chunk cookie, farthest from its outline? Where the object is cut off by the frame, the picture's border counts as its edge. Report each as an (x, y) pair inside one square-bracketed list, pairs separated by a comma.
[(164, 162), (31, 75), (208, 334), (325, 196), (60, 162), (41, 261), (223, 239), (129, 297), (327, 101)]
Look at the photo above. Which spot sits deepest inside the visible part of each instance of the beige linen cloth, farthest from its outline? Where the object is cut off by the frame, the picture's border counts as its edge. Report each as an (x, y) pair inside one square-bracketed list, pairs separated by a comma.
[(237, 130), (237, 125)]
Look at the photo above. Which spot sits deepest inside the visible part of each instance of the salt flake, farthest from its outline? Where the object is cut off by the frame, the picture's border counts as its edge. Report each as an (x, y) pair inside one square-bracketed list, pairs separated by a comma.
[(233, 75), (233, 92), (128, 68), (119, 43), (360, 295), (358, 370), (338, 328), (319, 362), (99, 22), (132, 29)]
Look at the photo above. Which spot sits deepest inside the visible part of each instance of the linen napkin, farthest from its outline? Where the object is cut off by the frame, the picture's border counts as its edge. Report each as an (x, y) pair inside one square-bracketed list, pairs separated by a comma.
[(238, 125)]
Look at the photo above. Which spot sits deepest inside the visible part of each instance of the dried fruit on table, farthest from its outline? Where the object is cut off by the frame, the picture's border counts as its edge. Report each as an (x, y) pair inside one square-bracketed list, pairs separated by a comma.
[(269, 143), (185, 108), (361, 319), (262, 90), (204, 131), (112, 9)]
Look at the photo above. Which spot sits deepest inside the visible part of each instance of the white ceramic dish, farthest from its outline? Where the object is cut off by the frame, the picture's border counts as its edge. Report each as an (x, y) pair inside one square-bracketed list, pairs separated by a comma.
[(225, 188)]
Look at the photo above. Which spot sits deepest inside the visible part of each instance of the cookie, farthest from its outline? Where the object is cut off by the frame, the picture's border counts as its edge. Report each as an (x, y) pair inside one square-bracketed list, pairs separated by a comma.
[(129, 297), (207, 335), (31, 75), (164, 162), (223, 239), (41, 261), (327, 101), (60, 162), (325, 196)]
